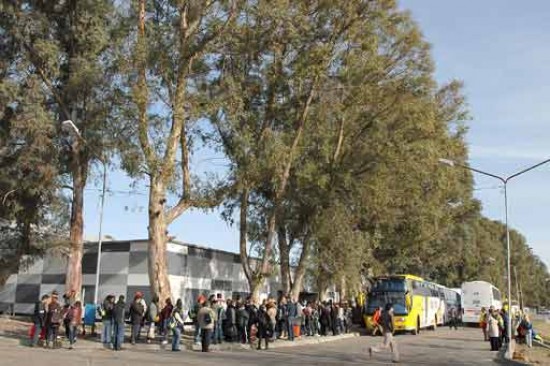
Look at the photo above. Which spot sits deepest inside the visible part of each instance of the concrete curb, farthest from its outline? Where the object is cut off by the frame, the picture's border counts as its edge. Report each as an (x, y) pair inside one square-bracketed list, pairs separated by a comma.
[(501, 358)]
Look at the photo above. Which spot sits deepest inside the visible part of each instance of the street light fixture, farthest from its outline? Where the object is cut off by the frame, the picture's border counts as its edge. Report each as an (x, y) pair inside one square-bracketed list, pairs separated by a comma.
[(69, 127), (504, 181)]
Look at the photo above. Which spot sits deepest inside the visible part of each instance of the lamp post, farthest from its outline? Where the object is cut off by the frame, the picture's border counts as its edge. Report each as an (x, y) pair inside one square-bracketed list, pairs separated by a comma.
[(70, 127), (504, 180)]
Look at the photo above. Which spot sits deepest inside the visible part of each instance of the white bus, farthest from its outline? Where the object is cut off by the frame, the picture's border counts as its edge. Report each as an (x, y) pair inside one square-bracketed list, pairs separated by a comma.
[(477, 295)]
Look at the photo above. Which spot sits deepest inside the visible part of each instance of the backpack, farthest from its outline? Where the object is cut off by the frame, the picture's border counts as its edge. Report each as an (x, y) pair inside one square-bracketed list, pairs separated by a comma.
[(69, 314), (56, 316), (207, 318)]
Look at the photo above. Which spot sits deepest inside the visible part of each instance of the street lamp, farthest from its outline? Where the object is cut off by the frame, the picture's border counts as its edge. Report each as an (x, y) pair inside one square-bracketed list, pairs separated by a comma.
[(69, 127), (505, 181)]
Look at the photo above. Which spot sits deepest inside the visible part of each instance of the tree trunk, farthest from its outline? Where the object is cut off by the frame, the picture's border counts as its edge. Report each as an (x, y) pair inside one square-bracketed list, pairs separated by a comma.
[(158, 262), (255, 289), (284, 252), (73, 280), (343, 288), (299, 275)]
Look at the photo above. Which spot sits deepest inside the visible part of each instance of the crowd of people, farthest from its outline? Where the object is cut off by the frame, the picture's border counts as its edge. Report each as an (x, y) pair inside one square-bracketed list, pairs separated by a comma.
[(214, 320), (494, 325)]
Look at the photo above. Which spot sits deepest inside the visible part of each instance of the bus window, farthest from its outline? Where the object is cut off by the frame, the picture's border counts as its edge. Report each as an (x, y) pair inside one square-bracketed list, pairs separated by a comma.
[(496, 294)]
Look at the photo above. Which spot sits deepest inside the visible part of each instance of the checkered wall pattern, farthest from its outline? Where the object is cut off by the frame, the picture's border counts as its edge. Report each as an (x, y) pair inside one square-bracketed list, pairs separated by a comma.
[(193, 270)]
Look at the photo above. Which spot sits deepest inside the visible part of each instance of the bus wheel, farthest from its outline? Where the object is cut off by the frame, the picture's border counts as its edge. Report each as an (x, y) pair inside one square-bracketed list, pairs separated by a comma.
[(417, 329)]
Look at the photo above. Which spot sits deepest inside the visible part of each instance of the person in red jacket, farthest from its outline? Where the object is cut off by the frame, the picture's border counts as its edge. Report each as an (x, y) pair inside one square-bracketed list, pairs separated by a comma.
[(376, 326)]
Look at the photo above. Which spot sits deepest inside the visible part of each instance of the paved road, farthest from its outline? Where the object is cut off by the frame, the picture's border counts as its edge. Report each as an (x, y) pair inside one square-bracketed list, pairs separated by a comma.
[(443, 347)]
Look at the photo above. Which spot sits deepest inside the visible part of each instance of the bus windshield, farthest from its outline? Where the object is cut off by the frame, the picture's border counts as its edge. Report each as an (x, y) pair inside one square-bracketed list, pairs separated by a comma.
[(381, 298), (389, 284)]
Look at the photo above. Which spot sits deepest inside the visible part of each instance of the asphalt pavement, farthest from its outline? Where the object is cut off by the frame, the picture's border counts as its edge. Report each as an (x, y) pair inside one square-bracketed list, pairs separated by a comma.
[(440, 347)]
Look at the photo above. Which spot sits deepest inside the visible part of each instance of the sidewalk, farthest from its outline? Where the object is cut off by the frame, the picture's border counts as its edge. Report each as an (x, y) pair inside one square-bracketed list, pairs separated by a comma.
[(17, 332)]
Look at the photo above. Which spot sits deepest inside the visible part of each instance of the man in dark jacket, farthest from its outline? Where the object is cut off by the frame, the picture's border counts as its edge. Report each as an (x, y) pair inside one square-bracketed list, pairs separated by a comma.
[(263, 325), (242, 322), (137, 312), (119, 317), (39, 318), (230, 322), (292, 318), (388, 342), (106, 311)]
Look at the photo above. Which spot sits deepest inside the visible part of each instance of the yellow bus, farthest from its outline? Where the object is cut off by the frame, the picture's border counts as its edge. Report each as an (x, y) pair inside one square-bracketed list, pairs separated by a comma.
[(417, 304)]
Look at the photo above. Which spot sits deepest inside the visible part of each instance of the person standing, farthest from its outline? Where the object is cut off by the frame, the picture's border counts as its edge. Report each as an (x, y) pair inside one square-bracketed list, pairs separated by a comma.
[(119, 317), (193, 315), (152, 318), (177, 325), (107, 320), (219, 310), (39, 318), (230, 323), (242, 322), (388, 342), (493, 329), (483, 323), (137, 311), (271, 310), (206, 318), (164, 318), (53, 320), (292, 318), (72, 318), (263, 325)]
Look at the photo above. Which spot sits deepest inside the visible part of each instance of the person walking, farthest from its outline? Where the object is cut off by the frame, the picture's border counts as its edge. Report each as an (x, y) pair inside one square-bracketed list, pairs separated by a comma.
[(388, 342), (39, 318), (152, 318), (206, 318), (137, 311), (455, 318), (493, 329), (119, 317), (53, 320), (177, 325), (106, 311)]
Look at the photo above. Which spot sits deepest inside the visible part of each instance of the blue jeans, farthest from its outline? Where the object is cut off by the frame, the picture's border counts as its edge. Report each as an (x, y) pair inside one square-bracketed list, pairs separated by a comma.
[(136, 329), (118, 336), (176, 336), (107, 331), (36, 336), (197, 332), (71, 329), (290, 329), (218, 333)]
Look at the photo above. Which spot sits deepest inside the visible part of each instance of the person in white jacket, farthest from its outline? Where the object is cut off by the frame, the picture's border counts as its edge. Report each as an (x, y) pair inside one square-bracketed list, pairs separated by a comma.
[(492, 329)]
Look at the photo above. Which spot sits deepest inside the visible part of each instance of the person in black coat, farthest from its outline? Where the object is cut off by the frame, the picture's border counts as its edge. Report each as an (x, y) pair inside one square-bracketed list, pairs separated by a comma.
[(230, 322), (137, 312), (119, 317), (263, 325), (242, 322)]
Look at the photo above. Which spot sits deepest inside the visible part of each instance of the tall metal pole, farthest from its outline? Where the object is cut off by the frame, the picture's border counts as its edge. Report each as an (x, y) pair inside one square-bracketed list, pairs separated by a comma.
[(509, 321), (452, 163), (100, 240)]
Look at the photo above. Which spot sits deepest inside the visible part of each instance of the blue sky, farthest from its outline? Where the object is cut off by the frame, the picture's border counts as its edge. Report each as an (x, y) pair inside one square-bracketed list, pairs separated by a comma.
[(500, 49)]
